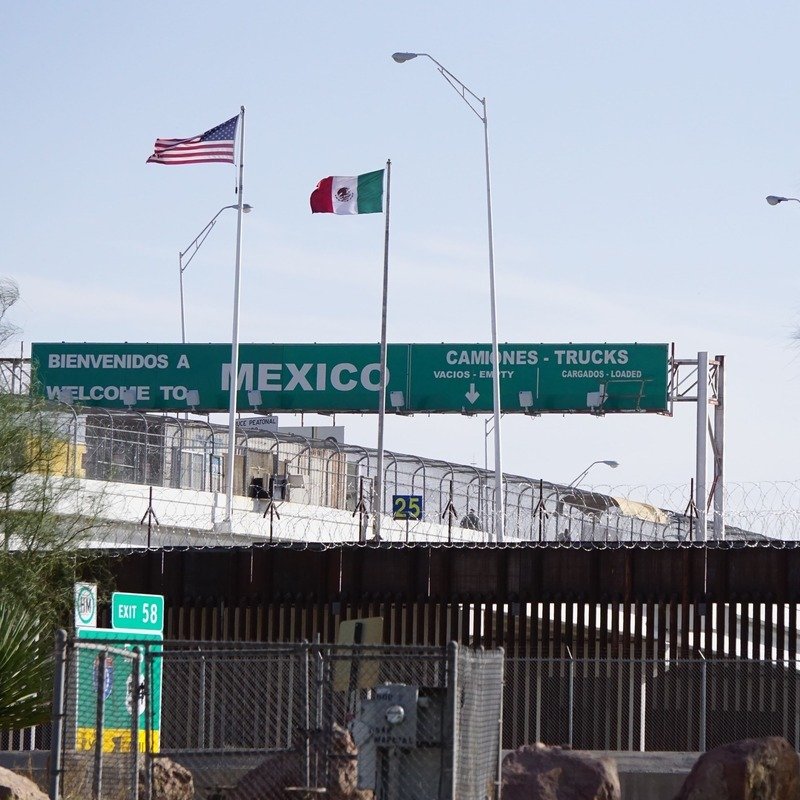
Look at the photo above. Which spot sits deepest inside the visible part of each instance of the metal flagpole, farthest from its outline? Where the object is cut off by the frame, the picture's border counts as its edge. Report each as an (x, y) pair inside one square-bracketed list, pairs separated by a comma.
[(234, 383), (377, 502)]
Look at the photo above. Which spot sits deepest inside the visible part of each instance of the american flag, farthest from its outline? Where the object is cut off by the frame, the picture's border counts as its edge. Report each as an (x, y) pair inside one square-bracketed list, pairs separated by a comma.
[(212, 146)]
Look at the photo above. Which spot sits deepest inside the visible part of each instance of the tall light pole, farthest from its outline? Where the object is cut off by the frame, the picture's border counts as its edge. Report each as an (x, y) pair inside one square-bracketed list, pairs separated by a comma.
[(478, 106), (195, 243), (487, 429), (609, 463)]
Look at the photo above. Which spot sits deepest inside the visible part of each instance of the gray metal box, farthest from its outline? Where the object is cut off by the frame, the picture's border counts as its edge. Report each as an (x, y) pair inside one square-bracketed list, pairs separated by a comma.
[(391, 714)]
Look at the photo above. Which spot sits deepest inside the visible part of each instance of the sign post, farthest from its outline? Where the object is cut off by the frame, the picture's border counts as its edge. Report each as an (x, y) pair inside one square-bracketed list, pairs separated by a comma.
[(136, 619), (407, 507), (85, 605)]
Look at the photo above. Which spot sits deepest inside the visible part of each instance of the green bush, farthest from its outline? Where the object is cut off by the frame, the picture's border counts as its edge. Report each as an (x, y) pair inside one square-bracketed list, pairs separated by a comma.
[(26, 666)]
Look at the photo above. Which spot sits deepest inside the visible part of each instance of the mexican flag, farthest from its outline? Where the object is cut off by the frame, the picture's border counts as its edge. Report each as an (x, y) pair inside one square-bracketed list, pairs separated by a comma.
[(359, 194)]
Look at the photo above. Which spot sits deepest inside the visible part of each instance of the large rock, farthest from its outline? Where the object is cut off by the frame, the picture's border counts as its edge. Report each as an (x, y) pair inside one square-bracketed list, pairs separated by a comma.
[(539, 772), (279, 771), (15, 787), (171, 781), (750, 769), (343, 759)]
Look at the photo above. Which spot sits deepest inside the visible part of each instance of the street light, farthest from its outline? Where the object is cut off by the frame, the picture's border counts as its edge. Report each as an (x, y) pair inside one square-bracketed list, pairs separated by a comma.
[(576, 481), (774, 200), (195, 243), (478, 106)]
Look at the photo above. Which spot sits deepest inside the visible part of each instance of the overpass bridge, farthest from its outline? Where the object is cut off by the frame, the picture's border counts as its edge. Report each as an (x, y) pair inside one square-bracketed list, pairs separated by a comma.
[(289, 487)]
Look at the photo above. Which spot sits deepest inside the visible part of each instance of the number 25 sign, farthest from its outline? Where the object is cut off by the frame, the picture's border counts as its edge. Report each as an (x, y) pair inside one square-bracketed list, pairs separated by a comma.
[(407, 506)]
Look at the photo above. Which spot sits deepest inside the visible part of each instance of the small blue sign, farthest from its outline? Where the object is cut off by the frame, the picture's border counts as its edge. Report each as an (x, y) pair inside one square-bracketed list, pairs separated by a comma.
[(108, 675), (407, 506)]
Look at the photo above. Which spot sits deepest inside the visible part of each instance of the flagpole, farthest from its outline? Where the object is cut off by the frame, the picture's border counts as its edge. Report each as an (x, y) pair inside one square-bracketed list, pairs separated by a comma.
[(377, 503), (234, 382)]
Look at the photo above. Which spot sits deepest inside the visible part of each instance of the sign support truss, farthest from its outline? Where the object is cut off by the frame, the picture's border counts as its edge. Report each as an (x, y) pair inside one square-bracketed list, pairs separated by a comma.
[(701, 380)]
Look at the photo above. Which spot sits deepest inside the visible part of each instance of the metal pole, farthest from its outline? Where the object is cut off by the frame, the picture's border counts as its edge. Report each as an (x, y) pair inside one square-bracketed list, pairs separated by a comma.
[(234, 384), (194, 246), (571, 696), (702, 438), (135, 689), (183, 317), (201, 721), (482, 115), (150, 745), (719, 452), (59, 698), (307, 711), (452, 725), (632, 696), (498, 468), (499, 780), (486, 444), (377, 486), (97, 783), (703, 701)]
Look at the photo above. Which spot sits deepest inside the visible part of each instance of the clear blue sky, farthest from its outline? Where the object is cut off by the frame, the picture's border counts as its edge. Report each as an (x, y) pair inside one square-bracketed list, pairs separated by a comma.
[(632, 146)]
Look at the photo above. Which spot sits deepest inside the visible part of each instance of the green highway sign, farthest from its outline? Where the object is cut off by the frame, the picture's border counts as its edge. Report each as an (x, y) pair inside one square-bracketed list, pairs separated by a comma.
[(137, 612), (342, 378), (118, 693)]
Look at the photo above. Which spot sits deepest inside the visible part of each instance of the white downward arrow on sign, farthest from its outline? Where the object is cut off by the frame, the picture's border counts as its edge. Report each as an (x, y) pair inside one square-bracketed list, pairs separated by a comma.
[(472, 395)]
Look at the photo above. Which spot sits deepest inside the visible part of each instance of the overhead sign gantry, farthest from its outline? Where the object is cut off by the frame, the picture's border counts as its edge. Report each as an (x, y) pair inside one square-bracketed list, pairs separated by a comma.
[(342, 378)]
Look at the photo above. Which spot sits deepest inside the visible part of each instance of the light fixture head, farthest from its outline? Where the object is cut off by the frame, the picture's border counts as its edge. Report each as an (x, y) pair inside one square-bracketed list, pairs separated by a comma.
[(397, 399), (193, 398), (128, 397), (247, 208), (612, 464), (402, 57), (773, 200), (526, 399), (254, 397)]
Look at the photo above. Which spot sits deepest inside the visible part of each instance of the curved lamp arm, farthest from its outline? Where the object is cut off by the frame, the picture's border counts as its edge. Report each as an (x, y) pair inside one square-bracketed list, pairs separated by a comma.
[(461, 88), (575, 481), (201, 237)]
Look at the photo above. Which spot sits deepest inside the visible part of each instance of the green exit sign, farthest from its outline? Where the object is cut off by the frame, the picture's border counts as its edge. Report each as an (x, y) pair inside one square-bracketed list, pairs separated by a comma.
[(137, 612)]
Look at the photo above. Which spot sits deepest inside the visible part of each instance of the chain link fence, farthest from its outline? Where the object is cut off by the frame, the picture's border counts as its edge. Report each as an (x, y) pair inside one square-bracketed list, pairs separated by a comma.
[(257, 721), (325, 716), (649, 705), (96, 750)]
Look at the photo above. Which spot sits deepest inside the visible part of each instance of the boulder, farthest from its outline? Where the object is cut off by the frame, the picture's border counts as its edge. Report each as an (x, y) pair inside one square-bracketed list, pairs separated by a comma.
[(171, 781), (343, 759), (15, 787), (539, 772), (285, 770), (750, 769), (270, 778)]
